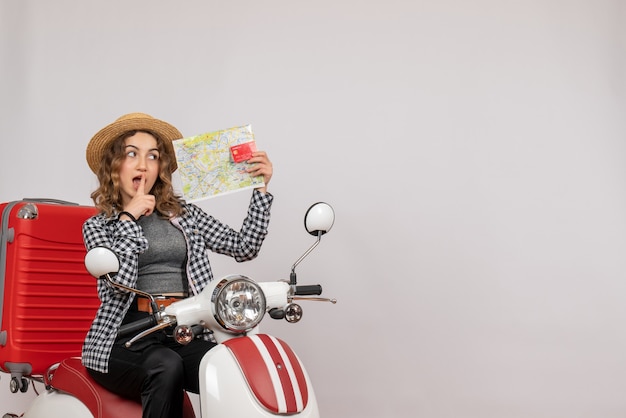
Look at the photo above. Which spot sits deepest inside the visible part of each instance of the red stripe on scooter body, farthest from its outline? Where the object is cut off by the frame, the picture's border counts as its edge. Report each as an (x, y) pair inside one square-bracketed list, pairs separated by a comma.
[(283, 375), (255, 371), (258, 376), (297, 368)]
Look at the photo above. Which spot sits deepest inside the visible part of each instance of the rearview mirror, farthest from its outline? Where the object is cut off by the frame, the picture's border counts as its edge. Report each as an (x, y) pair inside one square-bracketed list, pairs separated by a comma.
[(101, 261), (319, 219)]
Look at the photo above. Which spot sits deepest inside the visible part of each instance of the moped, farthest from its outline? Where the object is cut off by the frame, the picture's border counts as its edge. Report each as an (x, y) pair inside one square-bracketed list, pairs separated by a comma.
[(248, 374)]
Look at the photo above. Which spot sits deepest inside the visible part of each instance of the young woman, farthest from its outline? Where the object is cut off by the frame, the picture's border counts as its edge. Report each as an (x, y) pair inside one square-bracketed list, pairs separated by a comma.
[(162, 244)]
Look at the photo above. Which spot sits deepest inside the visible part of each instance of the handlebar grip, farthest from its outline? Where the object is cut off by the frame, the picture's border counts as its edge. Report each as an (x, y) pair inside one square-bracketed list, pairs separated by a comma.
[(309, 290), (197, 330), (137, 326)]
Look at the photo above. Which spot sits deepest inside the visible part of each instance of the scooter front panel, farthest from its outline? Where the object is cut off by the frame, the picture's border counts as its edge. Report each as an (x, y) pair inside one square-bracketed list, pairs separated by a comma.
[(226, 392), (272, 371)]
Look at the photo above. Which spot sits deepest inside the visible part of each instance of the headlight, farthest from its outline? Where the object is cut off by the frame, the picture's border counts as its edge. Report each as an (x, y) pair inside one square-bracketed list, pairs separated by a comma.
[(238, 303)]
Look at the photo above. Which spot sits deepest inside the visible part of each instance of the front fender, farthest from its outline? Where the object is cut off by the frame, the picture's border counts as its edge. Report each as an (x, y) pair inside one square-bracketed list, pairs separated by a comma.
[(256, 375)]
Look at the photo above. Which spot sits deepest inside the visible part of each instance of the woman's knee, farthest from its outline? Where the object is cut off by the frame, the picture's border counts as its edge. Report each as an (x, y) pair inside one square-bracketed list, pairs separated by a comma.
[(165, 365)]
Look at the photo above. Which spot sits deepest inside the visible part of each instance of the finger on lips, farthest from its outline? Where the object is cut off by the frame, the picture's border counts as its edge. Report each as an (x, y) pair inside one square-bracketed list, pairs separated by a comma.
[(142, 185)]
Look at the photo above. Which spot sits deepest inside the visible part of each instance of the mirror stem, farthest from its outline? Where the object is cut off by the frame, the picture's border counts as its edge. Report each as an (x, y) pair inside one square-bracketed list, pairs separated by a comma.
[(292, 276), (148, 296)]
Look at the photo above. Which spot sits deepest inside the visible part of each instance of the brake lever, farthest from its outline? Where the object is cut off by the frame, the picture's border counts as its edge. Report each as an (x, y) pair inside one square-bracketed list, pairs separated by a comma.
[(333, 300), (166, 322)]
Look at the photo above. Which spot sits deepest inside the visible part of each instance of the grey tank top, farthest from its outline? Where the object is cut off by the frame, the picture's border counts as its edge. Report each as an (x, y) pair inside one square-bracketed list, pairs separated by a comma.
[(162, 267)]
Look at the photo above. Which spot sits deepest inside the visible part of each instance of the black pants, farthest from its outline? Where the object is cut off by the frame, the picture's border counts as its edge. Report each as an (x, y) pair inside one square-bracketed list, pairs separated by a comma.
[(155, 372)]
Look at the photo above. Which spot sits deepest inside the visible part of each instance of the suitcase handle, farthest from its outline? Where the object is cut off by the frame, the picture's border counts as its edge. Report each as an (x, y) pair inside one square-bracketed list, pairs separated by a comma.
[(48, 200)]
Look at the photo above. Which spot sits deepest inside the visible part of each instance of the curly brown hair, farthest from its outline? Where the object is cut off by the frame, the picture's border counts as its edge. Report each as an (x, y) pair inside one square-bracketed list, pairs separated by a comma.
[(107, 197)]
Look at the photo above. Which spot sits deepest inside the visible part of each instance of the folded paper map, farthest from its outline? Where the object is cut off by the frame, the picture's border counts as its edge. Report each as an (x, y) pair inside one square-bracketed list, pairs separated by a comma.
[(206, 166)]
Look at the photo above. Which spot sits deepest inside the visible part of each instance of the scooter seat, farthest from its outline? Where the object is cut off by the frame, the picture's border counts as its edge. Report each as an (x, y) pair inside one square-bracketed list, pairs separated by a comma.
[(72, 377)]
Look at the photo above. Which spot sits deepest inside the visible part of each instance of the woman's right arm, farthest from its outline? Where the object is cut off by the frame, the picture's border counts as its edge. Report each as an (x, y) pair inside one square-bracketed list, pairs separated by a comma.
[(125, 238)]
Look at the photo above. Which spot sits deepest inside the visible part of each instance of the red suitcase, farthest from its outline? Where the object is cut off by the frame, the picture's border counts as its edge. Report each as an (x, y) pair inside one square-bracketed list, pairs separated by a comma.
[(47, 297)]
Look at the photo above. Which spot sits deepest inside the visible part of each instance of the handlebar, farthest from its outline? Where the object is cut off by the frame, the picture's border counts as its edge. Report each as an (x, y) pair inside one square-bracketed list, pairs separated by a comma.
[(151, 323), (308, 290), (137, 326)]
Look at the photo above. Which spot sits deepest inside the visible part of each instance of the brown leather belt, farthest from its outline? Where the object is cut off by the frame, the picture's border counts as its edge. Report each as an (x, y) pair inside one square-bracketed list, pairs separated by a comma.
[(143, 304)]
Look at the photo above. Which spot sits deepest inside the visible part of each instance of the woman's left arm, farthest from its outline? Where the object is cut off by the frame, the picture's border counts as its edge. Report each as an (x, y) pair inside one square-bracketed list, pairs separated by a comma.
[(244, 244)]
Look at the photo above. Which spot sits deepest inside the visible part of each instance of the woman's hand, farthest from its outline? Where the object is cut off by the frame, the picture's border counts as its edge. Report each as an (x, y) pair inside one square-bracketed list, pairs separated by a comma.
[(260, 165), (142, 204)]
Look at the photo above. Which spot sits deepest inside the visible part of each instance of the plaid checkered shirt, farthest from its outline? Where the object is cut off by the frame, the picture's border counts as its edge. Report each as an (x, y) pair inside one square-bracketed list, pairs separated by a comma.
[(202, 233)]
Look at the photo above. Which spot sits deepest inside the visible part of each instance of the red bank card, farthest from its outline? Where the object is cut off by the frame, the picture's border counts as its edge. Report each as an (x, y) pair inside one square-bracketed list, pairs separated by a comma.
[(242, 152)]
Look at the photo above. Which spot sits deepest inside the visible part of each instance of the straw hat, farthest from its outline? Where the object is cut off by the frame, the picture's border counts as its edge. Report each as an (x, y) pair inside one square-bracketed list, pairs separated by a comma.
[(130, 122)]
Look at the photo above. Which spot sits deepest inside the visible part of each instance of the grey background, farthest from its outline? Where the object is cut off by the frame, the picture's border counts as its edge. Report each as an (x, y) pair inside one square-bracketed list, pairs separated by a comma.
[(473, 152)]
